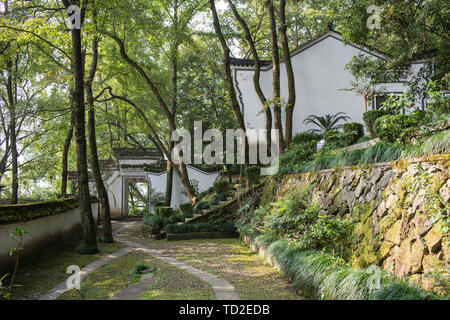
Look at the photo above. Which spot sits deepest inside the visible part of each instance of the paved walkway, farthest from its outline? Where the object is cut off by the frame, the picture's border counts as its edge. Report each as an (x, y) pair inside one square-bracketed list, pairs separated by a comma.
[(222, 288)]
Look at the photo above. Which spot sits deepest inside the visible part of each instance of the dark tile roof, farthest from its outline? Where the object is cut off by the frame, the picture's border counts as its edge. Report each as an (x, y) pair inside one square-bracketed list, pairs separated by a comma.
[(248, 62), (107, 164), (73, 176), (148, 153), (303, 46)]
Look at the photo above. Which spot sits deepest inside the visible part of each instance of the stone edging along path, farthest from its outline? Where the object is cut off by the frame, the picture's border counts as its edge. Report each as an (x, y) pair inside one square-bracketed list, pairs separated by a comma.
[(222, 288)]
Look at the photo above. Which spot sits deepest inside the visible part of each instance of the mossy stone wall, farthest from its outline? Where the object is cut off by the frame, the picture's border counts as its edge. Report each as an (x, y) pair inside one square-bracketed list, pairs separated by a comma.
[(395, 227)]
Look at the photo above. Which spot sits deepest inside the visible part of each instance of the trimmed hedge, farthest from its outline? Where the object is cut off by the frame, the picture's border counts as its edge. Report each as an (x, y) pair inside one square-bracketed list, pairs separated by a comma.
[(186, 208), (252, 173), (31, 211), (200, 206), (354, 130), (154, 221), (221, 186), (164, 211), (188, 228), (399, 127), (370, 117)]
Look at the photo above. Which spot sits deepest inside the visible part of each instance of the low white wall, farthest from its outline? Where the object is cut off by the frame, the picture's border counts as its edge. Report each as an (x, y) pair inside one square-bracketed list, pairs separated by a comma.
[(43, 233)]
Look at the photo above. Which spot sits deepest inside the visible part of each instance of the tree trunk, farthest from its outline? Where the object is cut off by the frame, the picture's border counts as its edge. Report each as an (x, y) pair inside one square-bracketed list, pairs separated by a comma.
[(257, 73), (12, 126), (80, 138), (99, 185), (289, 72), (66, 156), (278, 124), (173, 109), (228, 77)]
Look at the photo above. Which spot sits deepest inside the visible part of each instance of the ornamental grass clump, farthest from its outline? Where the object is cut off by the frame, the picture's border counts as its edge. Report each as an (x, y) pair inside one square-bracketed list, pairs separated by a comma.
[(318, 275)]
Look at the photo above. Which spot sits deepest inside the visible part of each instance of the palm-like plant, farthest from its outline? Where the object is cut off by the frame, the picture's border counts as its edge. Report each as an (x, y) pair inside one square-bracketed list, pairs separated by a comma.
[(326, 123)]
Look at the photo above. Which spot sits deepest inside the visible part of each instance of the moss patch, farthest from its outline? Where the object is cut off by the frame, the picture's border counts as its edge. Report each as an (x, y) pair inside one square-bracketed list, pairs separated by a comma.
[(108, 280), (38, 278)]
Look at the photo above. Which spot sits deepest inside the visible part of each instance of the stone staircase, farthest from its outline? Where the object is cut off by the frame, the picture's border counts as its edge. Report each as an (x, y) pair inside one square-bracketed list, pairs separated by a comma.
[(197, 216)]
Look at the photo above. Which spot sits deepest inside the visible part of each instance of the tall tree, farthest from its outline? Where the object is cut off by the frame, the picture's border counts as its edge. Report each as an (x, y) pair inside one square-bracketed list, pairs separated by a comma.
[(228, 77), (276, 99), (289, 72), (95, 167), (80, 125), (257, 73)]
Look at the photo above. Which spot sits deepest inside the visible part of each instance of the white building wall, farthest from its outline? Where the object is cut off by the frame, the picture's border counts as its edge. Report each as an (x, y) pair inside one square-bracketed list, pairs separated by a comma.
[(320, 82), (157, 182)]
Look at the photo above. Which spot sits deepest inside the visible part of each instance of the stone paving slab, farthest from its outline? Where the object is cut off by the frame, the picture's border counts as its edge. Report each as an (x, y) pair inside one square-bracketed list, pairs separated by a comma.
[(136, 290)]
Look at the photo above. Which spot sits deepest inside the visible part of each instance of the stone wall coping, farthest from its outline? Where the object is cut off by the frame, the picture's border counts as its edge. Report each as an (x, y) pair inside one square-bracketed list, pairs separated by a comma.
[(392, 164)]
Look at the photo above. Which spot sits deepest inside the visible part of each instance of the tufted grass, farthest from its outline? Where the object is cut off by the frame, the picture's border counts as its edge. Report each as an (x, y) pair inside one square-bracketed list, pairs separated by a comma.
[(436, 144), (318, 276)]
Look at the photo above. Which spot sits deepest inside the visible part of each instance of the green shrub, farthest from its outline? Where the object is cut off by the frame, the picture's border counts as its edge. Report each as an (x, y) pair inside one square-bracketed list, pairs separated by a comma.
[(252, 174), (86, 249), (188, 228), (353, 132), (295, 154), (332, 136), (364, 139), (186, 208), (201, 205), (369, 118), (400, 127), (223, 196), (179, 217), (202, 194), (221, 186), (164, 211), (140, 268), (304, 137), (154, 221), (214, 200), (227, 227), (331, 233)]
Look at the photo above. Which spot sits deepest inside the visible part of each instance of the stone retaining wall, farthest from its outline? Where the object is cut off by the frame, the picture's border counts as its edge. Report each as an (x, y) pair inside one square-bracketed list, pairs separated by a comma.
[(395, 226)]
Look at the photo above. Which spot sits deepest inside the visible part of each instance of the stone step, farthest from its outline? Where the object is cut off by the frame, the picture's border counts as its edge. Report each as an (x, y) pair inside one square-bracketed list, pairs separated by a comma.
[(196, 215), (205, 211), (222, 202), (180, 223), (229, 198), (188, 219)]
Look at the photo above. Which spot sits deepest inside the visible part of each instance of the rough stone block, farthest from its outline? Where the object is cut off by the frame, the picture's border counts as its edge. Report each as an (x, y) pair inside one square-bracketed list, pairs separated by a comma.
[(385, 249), (394, 234), (417, 252), (402, 259), (391, 201), (422, 225), (429, 263), (433, 238), (376, 175), (386, 179), (381, 210)]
